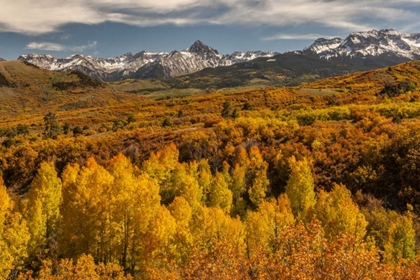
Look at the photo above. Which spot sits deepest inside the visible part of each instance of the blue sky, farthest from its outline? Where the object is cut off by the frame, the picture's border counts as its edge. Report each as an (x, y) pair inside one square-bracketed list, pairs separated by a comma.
[(104, 28)]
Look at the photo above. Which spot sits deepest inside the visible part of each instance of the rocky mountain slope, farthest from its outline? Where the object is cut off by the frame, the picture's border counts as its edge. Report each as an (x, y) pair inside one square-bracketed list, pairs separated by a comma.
[(359, 51), (145, 64), (371, 43)]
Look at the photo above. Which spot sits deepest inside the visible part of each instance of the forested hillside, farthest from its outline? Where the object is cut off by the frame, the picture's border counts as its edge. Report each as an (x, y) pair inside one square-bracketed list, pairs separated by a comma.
[(318, 181)]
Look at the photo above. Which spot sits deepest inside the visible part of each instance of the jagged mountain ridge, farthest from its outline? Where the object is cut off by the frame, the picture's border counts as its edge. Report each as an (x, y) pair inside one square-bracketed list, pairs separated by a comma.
[(144, 64), (370, 43), (378, 49)]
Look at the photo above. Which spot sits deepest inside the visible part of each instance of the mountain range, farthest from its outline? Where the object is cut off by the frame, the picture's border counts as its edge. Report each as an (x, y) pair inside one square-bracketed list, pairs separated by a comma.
[(370, 43), (358, 51), (145, 64)]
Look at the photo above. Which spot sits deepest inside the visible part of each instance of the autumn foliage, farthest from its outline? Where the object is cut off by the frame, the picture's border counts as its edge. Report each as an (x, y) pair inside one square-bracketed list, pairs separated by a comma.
[(292, 186), (110, 222)]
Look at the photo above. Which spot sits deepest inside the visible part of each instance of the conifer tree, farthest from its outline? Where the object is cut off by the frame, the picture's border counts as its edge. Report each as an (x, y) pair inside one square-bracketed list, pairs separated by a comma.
[(52, 128)]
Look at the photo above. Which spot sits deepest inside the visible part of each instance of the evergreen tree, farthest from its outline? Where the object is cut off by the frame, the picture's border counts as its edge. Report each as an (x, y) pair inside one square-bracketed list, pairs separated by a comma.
[(52, 128), (226, 109)]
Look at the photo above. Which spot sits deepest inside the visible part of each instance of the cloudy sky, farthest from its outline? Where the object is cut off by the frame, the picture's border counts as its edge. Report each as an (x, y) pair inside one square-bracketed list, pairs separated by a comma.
[(104, 28)]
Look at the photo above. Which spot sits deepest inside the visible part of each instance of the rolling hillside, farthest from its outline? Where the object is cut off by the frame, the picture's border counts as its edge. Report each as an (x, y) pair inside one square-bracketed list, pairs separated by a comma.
[(223, 162)]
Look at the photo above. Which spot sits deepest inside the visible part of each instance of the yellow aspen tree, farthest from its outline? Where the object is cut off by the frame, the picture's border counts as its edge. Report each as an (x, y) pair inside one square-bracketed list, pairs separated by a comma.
[(238, 184), (258, 167), (134, 201), (401, 243), (268, 223), (380, 221), (204, 178), (89, 205), (17, 235), (84, 268), (184, 183), (300, 189), (220, 195), (14, 235), (338, 213), (6, 258), (42, 207), (69, 235), (161, 163), (146, 203), (4, 205), (183, 240), (157, 243), (211, 224), (121, 207)]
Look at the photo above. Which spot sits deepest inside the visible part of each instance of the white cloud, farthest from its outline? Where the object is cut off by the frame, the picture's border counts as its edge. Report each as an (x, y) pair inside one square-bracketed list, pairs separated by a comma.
[(48, 46), (45, 46), (38, 17), (84, 47)]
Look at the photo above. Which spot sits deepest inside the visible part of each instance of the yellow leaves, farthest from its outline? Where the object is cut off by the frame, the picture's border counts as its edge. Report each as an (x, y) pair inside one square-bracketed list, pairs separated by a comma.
[(156, 245), (268, 223), (160, 164), (338, 213), (42, 210), (5, 203), (184, 183), (14, 236), (258, 166), (107, 212), (213, 224), (116, 216), (401, 243), (300, 189), (220, 195), (181, 211), (84, 268), (87, 210)]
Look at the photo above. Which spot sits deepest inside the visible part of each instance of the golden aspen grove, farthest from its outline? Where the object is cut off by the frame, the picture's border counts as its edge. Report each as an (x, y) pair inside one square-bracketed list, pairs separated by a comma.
[(317, 181)]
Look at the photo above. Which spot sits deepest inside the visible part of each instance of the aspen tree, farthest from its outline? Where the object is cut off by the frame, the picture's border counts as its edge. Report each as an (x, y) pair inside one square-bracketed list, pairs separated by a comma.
[(401, 243), (338, 213), (220, 195), (42, 208), (300, 189), (268, 223)]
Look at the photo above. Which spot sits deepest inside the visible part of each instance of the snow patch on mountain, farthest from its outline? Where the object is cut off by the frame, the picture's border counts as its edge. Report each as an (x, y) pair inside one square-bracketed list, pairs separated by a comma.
[(369, 43), (192, 59)]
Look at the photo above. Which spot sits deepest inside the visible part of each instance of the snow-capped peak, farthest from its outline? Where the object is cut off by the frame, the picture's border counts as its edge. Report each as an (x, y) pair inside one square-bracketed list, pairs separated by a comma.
[(194, 58), (200, 48), (369, 43)]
